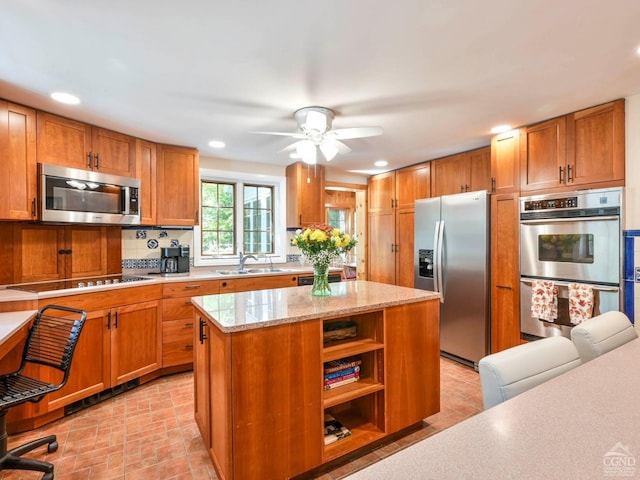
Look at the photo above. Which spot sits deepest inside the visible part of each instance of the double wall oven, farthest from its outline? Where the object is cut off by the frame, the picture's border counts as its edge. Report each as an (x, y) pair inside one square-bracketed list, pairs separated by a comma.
[(569, 238)]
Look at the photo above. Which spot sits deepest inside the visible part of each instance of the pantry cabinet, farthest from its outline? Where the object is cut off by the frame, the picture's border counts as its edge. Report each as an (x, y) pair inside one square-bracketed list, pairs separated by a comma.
[(463, 172), (391, 222), (18, 184), (69, 143), (305, 195), (178, 185), (505, 273)]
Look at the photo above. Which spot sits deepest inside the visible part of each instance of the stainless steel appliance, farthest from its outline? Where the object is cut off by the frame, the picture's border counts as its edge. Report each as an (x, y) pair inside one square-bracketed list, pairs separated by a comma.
[(174, 260), (70, 195), (572, 237), (452, 257)]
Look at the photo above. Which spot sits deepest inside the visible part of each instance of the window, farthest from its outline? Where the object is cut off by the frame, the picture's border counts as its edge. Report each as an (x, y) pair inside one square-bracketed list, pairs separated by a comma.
[(218, 219), (245, 216)]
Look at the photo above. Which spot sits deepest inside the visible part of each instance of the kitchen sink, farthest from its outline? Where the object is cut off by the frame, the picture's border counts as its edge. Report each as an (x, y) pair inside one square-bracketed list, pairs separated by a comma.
[(252, 270)]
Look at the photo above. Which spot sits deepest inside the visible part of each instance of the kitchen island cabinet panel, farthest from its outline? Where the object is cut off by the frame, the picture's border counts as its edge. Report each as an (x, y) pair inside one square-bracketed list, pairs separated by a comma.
[(413, 364)]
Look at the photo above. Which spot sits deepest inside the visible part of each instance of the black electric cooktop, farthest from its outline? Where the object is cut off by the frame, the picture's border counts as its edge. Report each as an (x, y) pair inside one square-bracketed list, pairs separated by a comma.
[(78, 283)]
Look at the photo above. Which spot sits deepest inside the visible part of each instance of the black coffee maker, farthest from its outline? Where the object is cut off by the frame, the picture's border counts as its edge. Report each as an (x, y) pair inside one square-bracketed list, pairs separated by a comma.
[(174, 259)]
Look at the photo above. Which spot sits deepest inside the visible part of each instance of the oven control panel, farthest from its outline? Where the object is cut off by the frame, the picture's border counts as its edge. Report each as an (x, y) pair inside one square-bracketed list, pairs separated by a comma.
[(566, 202)]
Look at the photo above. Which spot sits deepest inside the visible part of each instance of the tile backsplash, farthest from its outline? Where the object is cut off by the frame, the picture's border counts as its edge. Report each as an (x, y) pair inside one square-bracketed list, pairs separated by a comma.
[(141, 245)]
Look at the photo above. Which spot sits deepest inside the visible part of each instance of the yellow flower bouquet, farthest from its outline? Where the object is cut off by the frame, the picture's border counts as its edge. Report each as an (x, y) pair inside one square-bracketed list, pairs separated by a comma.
[(321, 244)]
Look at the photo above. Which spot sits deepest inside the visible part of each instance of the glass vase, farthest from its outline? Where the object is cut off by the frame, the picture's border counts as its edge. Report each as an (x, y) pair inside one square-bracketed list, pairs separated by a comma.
[(320, 286)]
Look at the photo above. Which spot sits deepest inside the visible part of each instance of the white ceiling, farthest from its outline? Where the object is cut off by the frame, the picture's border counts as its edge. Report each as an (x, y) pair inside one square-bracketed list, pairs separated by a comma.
[(436, 75)]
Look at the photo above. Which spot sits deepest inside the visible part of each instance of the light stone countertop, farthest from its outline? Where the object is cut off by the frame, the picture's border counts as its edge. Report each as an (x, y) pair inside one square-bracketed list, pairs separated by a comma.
[(584, 424), (232, 312), (11, 322)]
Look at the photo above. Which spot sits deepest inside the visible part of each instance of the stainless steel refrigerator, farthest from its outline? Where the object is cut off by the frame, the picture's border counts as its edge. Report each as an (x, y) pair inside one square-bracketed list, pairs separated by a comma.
[(452, 257)]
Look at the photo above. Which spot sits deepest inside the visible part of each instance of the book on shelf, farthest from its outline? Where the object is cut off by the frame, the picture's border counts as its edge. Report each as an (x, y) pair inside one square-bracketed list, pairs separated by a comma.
[(342, 364), (333, 429), (340, 373), (342, 382), (346, 376)]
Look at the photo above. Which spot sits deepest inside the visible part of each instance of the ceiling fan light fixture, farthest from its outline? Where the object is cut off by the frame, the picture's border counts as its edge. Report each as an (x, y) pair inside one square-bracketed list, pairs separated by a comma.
[(329, 150), (307, 151)]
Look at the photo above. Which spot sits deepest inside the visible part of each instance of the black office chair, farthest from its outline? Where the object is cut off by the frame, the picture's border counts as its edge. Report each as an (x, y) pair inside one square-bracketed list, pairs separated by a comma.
[(51, 342)]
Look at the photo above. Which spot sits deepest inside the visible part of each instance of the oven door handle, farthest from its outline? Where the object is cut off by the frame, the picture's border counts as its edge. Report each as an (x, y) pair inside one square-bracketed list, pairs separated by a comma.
[(600, 288), (569, 219)]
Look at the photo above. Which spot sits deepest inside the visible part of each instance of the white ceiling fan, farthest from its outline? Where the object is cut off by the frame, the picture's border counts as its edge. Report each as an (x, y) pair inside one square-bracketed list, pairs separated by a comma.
[(314, 132)]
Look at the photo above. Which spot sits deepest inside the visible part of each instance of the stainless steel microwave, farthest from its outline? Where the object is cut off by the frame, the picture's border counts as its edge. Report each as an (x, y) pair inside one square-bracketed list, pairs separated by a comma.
[(70, 195)]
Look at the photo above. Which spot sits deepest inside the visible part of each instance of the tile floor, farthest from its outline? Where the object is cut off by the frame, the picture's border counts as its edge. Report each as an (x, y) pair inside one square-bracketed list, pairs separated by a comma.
[(149, 433)]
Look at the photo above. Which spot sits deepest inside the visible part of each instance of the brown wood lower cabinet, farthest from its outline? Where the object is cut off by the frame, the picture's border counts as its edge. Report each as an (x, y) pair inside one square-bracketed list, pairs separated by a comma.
[(260, 407), (118, 343)]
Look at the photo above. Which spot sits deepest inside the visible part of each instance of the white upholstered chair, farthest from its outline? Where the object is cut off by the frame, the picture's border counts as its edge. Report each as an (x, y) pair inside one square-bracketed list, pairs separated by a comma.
[(508, 373), (602, 334)]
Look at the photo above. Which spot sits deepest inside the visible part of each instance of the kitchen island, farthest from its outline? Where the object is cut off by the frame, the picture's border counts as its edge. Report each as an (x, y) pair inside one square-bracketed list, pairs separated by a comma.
[(259, 365)]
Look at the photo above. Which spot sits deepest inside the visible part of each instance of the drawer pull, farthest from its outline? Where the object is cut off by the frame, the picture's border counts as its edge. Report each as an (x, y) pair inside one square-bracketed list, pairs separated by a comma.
[(188, 302), (191, 287), (188, 347), (190, 324)]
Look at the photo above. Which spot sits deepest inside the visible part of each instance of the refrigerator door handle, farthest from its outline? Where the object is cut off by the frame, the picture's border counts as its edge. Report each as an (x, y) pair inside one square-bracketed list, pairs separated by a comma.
[(436, 235), (440, 249)]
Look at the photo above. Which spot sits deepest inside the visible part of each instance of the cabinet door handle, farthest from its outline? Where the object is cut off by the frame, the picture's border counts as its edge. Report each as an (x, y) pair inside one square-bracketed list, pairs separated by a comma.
[(569, 178), (461, 188), (89, 161), (115, 321), (97, 161), (300, 220), (33, 207), (108, 320), (203, 337), (493, 184), (560, 179)]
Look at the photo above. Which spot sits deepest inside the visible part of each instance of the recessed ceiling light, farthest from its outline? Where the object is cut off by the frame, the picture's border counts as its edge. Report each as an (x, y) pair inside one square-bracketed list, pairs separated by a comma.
[(217, 144), (381, 163), (638, 50), (501, 129), (67, 98)]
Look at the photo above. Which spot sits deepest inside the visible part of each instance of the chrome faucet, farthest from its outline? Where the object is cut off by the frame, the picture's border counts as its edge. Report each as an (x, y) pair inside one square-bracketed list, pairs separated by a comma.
[(243, 258), (266, 257)]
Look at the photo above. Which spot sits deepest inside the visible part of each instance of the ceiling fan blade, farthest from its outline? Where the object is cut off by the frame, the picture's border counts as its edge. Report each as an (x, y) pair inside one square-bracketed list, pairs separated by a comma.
[(291, 147), (342, 148), (285, 134), (356, 132)]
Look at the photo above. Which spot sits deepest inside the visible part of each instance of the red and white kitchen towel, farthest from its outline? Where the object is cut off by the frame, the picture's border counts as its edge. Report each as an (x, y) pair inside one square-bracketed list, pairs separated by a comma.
[(580, 302), (544, 300)]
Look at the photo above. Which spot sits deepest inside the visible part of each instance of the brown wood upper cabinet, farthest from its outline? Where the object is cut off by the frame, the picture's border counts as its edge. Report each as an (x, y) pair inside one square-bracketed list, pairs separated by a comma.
[(178, 185), (505, 162), (18, 183), (69, 143), (305, 194), (575, 150), (463, 172), (49, 252), (146, 173)]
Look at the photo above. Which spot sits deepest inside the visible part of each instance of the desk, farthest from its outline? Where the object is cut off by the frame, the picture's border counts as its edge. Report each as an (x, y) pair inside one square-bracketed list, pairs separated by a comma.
[(13, 328), (563, 428)]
